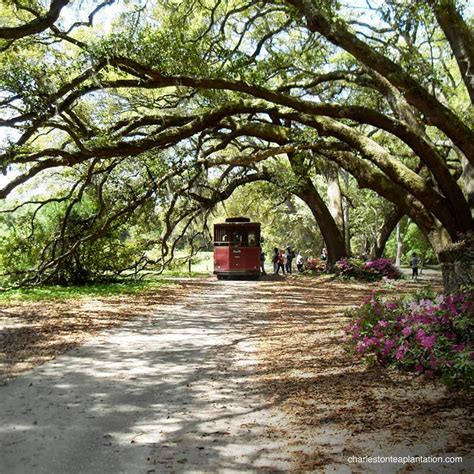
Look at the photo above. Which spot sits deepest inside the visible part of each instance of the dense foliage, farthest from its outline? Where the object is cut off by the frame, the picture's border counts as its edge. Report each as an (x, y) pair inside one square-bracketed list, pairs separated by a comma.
[(413, 241), (120, 117)]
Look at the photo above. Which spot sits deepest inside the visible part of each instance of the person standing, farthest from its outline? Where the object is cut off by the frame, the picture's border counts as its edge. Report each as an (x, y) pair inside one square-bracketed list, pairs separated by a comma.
[(289, 259), (281, 262), (414, 262), (324, 254), (299, 262), (262, 262), (275, 257)]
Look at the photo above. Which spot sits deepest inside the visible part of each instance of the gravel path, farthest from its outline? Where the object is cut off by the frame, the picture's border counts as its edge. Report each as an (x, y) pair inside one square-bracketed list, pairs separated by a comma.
[(169, 393)]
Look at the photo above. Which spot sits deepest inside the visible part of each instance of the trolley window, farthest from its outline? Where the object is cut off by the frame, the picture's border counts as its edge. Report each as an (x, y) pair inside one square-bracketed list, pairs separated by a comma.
[(221, 235), (243, 236), (252, 238)]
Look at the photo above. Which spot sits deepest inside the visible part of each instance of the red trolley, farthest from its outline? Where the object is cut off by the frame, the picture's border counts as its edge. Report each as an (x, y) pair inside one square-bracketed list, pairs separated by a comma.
[(237, 248)]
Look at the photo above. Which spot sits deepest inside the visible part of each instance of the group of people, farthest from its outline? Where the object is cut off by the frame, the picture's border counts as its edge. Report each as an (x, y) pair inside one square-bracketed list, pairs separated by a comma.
[(283, 260)]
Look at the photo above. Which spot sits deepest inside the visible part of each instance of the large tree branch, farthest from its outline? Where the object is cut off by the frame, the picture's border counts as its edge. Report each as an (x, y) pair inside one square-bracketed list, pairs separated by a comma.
[(37, 25), (394, 169), (368, 176), (390, 170), (222, 195), (418, 142), (336, 31), (460, 38), (407, 179)]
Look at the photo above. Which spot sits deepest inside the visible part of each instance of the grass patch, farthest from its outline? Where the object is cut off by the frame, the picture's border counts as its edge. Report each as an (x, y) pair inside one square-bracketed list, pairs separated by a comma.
[(55, 292), (184, 273)]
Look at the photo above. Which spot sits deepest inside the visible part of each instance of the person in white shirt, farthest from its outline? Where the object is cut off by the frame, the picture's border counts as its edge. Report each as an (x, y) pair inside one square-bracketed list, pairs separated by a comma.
[(299, 262)]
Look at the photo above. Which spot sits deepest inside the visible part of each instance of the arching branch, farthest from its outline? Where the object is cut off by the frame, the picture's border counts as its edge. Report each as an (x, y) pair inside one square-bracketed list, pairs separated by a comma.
[(37, 25)]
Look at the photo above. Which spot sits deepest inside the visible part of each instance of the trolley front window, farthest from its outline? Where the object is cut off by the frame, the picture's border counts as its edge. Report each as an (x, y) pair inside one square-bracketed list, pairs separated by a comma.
[(236, 235)]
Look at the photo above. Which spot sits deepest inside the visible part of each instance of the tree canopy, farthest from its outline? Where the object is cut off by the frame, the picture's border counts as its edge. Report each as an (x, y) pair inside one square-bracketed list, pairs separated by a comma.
[(138, 118)]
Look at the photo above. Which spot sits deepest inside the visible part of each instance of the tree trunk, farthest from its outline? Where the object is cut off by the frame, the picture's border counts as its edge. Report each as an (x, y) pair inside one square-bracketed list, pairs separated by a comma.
[(391, 221), (468, 179), (346, 214), (456, 259), (457, 265), (307, 192), (398, 258), (334, 195), (402, 227)]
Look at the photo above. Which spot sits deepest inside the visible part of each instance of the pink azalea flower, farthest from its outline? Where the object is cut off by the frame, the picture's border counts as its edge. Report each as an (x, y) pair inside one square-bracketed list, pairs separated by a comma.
[(406, 331), (373, 341), (377, 332), (387, 347), (361, 347), (401, 351), (420, 334), (426, 303), (428, 341)]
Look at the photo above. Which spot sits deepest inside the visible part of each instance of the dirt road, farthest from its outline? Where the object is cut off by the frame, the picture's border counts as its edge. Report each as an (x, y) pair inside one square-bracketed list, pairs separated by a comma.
[(228, 376), (170, 392)]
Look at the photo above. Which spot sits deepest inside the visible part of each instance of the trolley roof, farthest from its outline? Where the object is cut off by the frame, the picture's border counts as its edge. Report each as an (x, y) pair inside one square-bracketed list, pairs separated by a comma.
[(239, 221)]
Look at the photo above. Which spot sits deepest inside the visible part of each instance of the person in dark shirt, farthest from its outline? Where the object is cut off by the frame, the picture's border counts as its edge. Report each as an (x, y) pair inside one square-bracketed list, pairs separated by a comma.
[(414, 262), (275, 256), (290, 255)]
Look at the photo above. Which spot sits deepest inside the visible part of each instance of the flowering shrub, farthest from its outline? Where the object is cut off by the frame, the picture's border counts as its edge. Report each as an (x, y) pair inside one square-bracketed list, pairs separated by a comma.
[(371, 270), (315, 265), (350, 268), (382, 267), (430, 336)]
